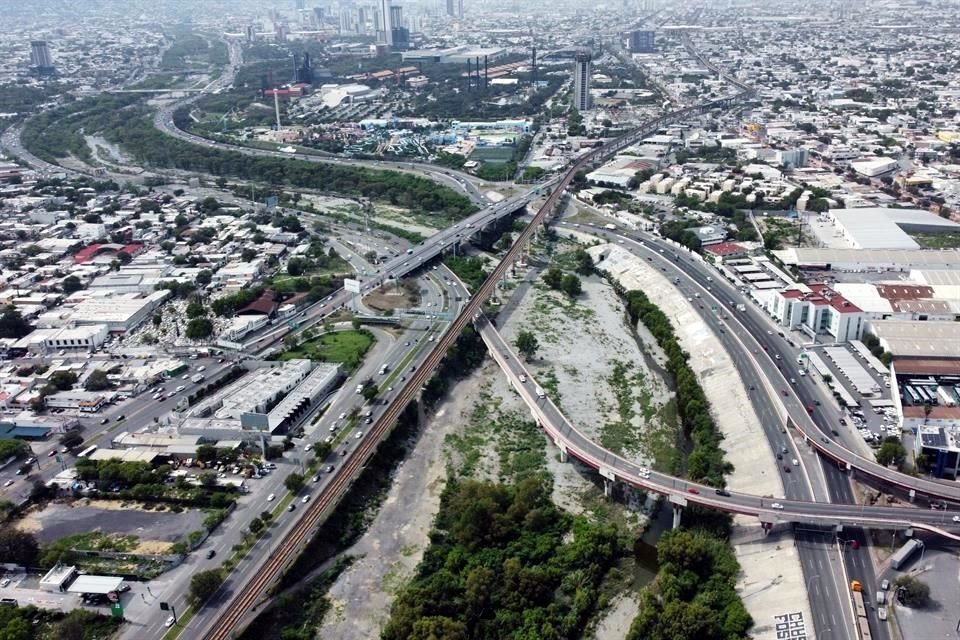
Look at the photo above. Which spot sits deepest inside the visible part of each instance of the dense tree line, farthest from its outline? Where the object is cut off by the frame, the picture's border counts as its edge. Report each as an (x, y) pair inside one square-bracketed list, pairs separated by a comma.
[(706, 462), (463, 356), (504, 563), (693, 596), (56, 134)]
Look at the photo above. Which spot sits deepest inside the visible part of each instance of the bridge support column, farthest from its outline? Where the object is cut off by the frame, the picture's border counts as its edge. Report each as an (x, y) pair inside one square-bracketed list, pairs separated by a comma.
[(607, 488), (564, 458), (677, 510)]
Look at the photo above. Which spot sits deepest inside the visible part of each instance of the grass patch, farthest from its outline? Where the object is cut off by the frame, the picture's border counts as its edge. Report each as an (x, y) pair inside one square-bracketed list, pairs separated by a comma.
[(662, 441), (938, 240), (99, 541), (347, 347)]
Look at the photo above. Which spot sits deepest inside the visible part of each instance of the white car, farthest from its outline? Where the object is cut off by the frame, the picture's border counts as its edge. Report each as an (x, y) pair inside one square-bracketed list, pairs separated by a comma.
[(169, 622), (523, 378), (271, 497), (776, 505), (359, 435), (306, 499), (956, 518)]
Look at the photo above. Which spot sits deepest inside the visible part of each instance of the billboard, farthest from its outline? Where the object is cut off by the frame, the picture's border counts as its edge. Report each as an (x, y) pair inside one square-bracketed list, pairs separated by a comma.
[(351, 285)]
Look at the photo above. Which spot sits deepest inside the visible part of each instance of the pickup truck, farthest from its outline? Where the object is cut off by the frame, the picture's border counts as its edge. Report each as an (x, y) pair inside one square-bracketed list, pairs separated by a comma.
[(197, 377)]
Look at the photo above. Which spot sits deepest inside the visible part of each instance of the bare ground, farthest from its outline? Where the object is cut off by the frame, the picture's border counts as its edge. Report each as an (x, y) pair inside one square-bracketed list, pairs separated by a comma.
[(393, 545)]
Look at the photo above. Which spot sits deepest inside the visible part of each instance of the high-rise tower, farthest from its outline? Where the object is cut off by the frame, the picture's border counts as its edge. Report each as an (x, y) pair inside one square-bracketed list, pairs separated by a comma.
[(40, 57), (581, 81), (385, 34)]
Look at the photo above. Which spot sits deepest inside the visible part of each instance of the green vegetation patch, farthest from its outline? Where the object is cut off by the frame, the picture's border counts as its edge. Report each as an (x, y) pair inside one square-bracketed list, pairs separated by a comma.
[(31, 623), (693, 596), (347, 347), (938, 240), (505, 562)]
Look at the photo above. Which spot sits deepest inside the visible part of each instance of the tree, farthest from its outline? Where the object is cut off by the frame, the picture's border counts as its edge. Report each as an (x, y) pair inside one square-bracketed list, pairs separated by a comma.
[(199, 328), (248, 254), (294, 482), (206, 453), (827, 378), (912, 592), (571, 286), (97, 381), (297, 266), (527, 344), (203, 585), (553, 278), (584, 262), (18, 547), (71, 439), (891, 452), (256, 526), (63, 380), (71, 284), (204, 277), (195, 308), (12, 324)]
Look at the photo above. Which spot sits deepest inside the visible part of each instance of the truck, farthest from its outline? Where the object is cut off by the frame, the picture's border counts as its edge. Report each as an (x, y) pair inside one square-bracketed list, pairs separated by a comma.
[(860, 607), (903, 554), (197, 377), (610, 227)]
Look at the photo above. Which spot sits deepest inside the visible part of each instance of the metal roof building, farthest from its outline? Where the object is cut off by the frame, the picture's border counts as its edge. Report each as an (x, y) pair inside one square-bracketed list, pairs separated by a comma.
[(918, 339), (870, 259), (883, 228), (95, 584)]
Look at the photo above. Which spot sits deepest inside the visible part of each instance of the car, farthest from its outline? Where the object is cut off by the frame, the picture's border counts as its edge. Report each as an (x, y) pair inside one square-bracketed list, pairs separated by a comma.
[(5, 582), (121, 417), (305, 500), (779, 456), (271, 497), (523, 378), (316, 478), (211, 553), (693, 490), (784, 392), (343, 452), (368, 421), (359, 435), (776, 505), (333, 428), (793, 381), (51, 453), (884, 584), (786, 468), (308, 447), (343, 415), (723, 492), (292, 506), (105, 421), (843, 422), (329, 468), (956, 518), (776, 356), (170, 621)]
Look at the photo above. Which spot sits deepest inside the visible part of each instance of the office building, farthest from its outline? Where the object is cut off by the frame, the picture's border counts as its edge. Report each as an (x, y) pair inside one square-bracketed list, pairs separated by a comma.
[(40, 57), (455, 8), (385, 26), (642, 41), (581, 81)]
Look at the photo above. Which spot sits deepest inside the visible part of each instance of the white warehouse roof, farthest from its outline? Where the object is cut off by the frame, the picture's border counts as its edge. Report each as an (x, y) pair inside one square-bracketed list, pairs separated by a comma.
[(882, 228)]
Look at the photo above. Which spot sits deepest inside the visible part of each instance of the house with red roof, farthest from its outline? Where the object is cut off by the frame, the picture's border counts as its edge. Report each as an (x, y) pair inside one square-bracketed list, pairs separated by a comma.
[(816, 309)]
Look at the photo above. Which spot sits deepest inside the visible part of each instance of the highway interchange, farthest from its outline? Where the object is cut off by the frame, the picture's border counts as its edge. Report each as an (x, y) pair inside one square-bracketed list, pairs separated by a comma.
[(818, 503)]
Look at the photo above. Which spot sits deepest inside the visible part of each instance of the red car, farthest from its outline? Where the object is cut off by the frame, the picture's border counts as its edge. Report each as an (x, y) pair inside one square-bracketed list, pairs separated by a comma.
[(809, 409), (786, 468), (693, 490)]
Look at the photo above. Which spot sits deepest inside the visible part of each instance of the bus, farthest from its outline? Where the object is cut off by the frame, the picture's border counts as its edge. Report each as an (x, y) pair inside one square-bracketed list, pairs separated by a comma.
[(86, 453)]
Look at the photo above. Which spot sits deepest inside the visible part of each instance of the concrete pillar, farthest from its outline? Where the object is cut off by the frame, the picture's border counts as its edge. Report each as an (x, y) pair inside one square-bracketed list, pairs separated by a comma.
[(564, 457), (677, 510), (607, 488)]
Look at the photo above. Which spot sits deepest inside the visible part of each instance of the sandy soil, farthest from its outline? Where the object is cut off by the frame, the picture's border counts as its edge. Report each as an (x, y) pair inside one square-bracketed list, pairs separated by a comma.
[(617, 619)]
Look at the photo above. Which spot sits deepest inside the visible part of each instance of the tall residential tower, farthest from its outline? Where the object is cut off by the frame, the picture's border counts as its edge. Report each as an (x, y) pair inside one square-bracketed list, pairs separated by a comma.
[(581, 81)]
